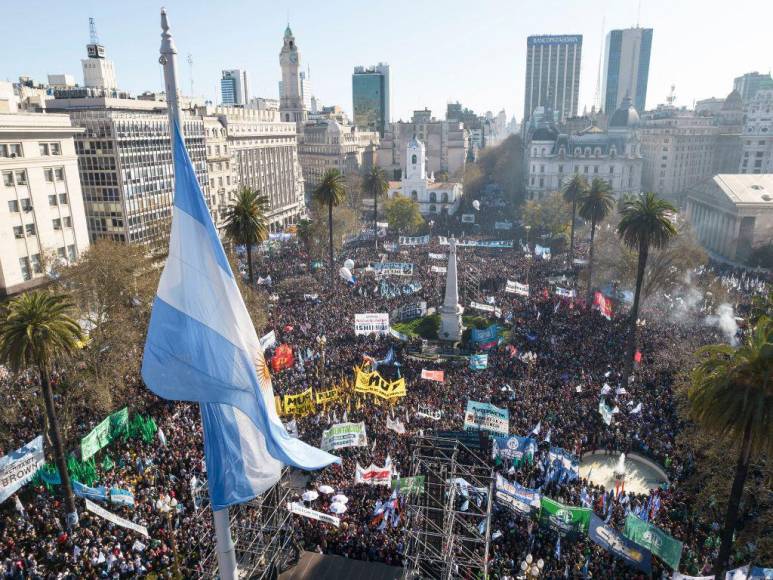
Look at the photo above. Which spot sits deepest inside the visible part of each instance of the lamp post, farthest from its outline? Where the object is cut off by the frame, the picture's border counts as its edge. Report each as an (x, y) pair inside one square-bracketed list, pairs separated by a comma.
[(531, 569)]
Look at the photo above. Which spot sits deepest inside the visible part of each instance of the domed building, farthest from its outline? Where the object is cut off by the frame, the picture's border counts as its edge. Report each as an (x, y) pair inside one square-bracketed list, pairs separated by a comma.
[(613, 155)]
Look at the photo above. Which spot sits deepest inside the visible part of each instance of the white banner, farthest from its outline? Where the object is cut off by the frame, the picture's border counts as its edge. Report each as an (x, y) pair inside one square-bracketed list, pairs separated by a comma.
[(371, 323), (542, 251), (486, 308), (503, 225), (429, 413), (565, 293), (374, 475), (409, 311), (438, 269), (468, 218), (437, 256), (517, 288), (302, 510), (414, 241), (17, 468), (343, 435), (396, 426), (268, 341), (677, 576), (292, 428), (117, 520), (393, 268)]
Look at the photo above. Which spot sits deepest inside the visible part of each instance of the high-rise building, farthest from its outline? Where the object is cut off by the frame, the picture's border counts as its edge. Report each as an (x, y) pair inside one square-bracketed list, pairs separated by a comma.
[(42, 218), (553, 74), (291, 104), (750, 83), (98, 70), (757, 155), (370, 97), (233, 88), (626, 67)]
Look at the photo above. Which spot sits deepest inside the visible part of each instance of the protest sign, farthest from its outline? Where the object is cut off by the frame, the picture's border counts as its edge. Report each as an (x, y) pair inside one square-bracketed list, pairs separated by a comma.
[(438, 376), (117, 520), (486, 417), (437, 256), (397, 426), (564, 519), (617, 544), (413, 241), (657, 541), (393, 268), (103, 434), (486, 308), (18, 467), (517, 288), (603, 305), (302, 510), (374, 384), (515, 448), (371, 323), (427, 412), (437, 269), (268, 340), (373, 475), (516, 497), (407, 485), (343, 435), (478, 362), (489, 334), (299, 404), (565, 292), (409, 311)]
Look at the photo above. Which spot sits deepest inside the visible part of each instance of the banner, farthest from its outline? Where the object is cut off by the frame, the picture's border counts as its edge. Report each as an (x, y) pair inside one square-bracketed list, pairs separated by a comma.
[(117, 520), (503, 225), (493, 244), (563, 462), (486, 308), (486, 417), (409, 311), (343, 435), (439, 376), (299, 404), (398, 335), (325, 397), (565, 292), (606, 412), (18, 467), (292, 428), (520, 499), (121, 497), (618, 545), (86, 492), (542, 251), (389, 289), (564, 519), (517, 288), (103, 434), (603, 305), (478, 362), (371, 323), (391, 246), (283, 358), (468, 218), (302, 510), (657, 541), (413, 241), (437, 256), (677, 576), (393, 268), (408, 485), (268, 341), (428, 412), (438, 269), (397, 426), (485, 335), (374, 384), (373, 475), (514, 448)]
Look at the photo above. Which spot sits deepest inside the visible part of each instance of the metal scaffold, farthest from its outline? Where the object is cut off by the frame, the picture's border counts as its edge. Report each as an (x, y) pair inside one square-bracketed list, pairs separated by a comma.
[(448, 525)]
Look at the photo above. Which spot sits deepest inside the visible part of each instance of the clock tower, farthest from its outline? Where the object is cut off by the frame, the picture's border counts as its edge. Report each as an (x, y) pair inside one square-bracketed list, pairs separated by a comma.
[(290, 100)]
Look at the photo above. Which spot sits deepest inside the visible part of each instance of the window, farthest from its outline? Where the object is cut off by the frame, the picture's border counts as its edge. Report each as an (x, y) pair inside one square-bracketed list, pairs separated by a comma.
[(432, 197), (24, 264), (10, 150), (21, 177), (595, 169), (30, 229), (61, 252), (67, 221), (18, 232), (433, 209), (560, 168), (26, 204), (56, 149), (59, 172), (57, 223), (414, 195), (72, 253), (63, 198), (49, 173), (13, 206), (413, 159), (444, 197), (8, 178), (52, 200), (43, 149), (37, 267)]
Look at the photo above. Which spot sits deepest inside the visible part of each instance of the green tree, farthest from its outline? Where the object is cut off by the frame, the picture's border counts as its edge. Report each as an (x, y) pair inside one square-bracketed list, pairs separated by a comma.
[(246, 222), (574, 190), (546, 216), (645, 223), (403, 214), (376, 184), (595, 206), (37, 330), (731, 396), (329, 193), (304, 233)]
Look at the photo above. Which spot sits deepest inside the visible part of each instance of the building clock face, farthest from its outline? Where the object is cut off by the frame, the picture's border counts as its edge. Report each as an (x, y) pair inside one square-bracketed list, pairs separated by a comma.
[(294, 57)]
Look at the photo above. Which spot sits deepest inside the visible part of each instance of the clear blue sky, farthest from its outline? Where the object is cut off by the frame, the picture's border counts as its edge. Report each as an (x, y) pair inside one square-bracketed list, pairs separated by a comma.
[(472, 51)]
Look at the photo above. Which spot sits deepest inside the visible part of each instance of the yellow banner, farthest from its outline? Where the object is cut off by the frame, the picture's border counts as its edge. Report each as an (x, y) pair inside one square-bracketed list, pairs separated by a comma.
[(300, 404), (325, 397), (374, 384)]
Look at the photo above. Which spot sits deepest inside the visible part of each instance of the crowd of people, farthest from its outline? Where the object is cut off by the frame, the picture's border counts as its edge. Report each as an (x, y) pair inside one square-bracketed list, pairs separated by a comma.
[(574, 352)]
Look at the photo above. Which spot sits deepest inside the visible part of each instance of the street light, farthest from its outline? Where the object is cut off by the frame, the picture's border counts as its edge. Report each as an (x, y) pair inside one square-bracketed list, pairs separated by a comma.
[(530, 568)]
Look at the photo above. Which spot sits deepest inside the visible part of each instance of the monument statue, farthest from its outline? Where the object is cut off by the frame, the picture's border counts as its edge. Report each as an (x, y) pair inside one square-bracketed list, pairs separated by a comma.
[(451, 311)]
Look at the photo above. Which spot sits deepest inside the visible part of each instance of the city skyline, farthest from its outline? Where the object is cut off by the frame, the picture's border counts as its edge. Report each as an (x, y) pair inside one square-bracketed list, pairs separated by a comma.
[(493, 67)]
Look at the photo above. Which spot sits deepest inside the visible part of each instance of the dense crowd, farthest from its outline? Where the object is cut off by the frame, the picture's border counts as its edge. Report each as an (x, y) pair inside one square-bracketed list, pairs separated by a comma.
[(576, 351)]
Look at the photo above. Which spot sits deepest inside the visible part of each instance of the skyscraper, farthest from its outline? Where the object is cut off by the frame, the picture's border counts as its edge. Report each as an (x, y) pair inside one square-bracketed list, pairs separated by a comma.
[(750, 83), (370, 97), (553, 74), (626, 67), (233, 88)]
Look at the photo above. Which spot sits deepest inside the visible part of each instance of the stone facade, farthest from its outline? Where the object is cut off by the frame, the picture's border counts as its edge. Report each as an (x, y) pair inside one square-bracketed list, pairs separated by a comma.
[(757, 148)]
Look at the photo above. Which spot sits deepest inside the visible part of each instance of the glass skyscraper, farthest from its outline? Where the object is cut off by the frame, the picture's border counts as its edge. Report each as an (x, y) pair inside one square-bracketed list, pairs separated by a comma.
[(626, 67), (553, 74), (370, 97)]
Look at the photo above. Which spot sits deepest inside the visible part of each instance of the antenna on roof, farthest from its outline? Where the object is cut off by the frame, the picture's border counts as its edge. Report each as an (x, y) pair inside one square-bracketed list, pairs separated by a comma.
[(93, 31), (671, 98), (597, 100), (190, 70), (638, 14)]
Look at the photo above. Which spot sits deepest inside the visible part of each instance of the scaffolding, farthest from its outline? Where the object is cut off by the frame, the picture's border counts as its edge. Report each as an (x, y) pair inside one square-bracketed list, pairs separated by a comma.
[(448, 523)]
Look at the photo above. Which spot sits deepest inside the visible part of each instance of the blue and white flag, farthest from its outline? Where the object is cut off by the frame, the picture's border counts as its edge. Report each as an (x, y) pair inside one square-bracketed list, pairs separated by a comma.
[(202, 347), (86, 492), (121, 497), (478, 362), (17, 468)]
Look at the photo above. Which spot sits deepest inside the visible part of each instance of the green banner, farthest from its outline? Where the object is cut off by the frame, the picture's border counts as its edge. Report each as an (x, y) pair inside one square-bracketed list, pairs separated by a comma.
[(408, 485), (564, 519), (666, 547), (104, 433)]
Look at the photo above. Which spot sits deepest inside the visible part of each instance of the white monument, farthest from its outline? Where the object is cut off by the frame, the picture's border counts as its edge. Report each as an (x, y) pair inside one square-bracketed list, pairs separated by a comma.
[(451, 311)]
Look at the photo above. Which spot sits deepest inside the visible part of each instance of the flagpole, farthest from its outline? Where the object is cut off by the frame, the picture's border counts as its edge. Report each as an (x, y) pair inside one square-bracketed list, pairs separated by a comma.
[(226, 553)]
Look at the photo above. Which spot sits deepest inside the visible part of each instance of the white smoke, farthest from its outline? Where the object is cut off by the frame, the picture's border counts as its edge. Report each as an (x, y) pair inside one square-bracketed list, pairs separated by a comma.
[(724, 319)]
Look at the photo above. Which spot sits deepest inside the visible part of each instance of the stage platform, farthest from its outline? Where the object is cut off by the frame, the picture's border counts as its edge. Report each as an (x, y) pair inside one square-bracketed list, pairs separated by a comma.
[(320, 566)]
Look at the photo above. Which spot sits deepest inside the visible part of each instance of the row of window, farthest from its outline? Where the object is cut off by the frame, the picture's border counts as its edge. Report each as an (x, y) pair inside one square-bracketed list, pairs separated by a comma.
[(16, 150), (26, 203), (432, 197), (30, 230), (33, 264), (19, 177)]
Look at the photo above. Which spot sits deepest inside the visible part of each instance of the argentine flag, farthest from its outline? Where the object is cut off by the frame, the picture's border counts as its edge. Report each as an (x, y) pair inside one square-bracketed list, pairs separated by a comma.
[(202, 346)]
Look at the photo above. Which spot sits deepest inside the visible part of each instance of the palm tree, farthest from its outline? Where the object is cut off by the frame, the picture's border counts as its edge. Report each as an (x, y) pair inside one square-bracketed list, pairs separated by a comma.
[(376, 184), (246, 223), (331, 192), (37, 330), (595, 206), (646, 223), (303, 232), (731, 395), (573, 191)]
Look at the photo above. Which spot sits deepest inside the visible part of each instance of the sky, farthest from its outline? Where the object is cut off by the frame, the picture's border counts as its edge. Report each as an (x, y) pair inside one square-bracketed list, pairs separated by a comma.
[(439, 51)]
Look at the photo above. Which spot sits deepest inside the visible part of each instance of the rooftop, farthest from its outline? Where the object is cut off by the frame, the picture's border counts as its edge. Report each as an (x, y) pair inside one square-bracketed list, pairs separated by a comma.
[(739, 189)]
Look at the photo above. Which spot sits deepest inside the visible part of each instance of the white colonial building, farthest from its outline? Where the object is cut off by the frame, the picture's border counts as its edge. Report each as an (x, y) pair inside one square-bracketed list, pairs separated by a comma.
[(434, 197), (613, 155)]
